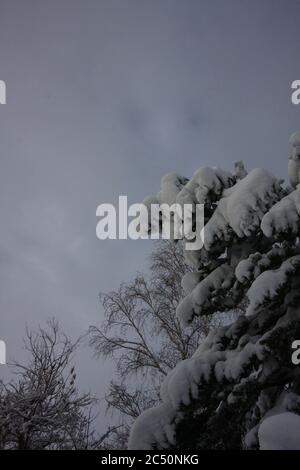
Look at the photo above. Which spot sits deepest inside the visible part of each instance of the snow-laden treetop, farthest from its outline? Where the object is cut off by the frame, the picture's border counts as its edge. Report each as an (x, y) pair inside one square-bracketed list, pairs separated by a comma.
[(250, 255)]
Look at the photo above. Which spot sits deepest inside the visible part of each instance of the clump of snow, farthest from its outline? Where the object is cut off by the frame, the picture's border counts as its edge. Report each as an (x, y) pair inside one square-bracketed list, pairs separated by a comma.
[(182, 383), (284, 216), (245, 270), (242, 207), (205, 182), (171, 185), (268, 284), (200, 297), (190, 280), (294, 159), (251, 267), (294, 140), (155, 426), (280, 432), (240, 171)]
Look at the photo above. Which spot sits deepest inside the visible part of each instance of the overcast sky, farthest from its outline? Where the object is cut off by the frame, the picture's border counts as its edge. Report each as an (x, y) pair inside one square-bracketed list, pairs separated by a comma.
[(103, 98)]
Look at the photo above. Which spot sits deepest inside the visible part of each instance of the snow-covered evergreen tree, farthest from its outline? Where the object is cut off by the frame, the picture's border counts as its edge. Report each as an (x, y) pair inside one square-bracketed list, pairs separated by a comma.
[(242, 375)]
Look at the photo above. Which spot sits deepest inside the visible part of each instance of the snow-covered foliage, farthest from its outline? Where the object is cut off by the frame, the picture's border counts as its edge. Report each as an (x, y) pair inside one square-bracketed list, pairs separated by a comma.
[(283, 218), (280, 432), (211, 289), (42, 409), (294, 159), (219, 397), (270, 284)]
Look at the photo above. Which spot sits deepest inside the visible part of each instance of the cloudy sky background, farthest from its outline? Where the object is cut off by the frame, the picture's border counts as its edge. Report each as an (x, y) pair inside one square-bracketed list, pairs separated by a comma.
[(103, 98)]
